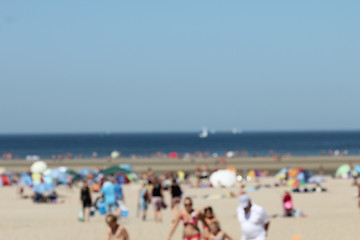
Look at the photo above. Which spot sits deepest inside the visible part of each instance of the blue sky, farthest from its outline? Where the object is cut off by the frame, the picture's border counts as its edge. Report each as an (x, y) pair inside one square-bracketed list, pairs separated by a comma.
[(132, 66)]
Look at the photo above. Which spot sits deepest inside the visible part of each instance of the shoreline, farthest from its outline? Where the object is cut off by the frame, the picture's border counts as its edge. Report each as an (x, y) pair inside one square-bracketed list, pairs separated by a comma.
[(326, 164)]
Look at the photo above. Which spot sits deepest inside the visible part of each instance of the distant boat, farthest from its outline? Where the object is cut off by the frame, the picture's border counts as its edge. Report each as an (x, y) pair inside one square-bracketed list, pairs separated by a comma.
[(204, 133), (236, 131)]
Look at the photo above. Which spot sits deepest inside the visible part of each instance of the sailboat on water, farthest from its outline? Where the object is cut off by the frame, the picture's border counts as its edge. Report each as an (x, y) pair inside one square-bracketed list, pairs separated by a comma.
[(236, 131), (204, 133)]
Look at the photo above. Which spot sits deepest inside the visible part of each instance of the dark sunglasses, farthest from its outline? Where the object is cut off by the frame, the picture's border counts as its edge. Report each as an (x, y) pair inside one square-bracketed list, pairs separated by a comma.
[(188, 205)]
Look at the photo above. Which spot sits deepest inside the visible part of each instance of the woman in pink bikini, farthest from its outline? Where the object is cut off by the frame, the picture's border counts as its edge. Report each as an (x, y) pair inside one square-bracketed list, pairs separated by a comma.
[(190, 218)]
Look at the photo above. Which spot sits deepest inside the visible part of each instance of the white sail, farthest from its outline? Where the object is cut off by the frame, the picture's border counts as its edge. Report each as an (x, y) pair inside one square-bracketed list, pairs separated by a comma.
[(204, 133)]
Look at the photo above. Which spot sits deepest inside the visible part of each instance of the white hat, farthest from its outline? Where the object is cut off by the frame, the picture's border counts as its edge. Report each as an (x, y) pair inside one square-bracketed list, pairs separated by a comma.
[(244, 200)]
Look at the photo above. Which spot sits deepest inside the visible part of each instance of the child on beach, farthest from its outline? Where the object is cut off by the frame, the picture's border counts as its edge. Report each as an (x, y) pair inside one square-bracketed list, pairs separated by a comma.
[(216, 233), (209, 218), (115, 231)]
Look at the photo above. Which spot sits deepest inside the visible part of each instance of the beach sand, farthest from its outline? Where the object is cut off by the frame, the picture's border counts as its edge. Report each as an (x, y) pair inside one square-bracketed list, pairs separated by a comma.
[(328, 164), (330, 215)]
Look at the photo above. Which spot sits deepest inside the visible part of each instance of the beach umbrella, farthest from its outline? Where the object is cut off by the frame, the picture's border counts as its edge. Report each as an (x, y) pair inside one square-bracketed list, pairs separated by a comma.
[(121, 178), (293, 182), (127, 167), (59, 176), (282, 173), (73, 173), (304, 175), (115, 154), (48, 179), (63, 169), (25, 180), (38, 167), (253, 174), (343, 170), (113, 170), (316, 179), (292, 173), (47, 172), (222, 178), (357, 169), (56, 173), (355, 172), (84, 171), (5, 180), (173, 155), (43, 188)]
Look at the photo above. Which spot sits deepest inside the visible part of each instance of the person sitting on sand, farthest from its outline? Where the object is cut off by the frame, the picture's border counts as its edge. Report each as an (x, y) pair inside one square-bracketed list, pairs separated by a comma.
[(216, 233), (190, 218), (38, 197), (209, 218), (288, 204), (52, 197), (115, 230)]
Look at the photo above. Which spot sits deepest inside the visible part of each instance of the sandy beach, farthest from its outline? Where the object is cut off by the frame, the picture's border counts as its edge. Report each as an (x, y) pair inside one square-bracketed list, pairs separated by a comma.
[(330, 215), (328, 164)]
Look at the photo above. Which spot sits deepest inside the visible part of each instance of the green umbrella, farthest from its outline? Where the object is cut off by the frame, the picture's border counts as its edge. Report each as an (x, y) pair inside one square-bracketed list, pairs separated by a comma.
[(343, 169), (73, 173), (113, 170)]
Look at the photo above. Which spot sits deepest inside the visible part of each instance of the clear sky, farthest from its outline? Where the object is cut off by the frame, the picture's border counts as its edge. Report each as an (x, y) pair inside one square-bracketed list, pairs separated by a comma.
[(132, 66)]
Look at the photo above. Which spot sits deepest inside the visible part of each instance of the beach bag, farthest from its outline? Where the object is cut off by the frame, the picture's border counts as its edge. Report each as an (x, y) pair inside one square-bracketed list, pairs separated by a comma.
[(102, 208), (81, 215), (124, 211)]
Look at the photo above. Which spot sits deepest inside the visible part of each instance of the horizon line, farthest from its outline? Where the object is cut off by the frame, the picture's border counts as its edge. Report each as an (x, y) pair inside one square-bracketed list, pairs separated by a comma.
[(177, 132)]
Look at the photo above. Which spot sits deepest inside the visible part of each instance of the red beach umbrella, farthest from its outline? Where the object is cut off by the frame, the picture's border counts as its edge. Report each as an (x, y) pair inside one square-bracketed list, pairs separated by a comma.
[(173, 155)]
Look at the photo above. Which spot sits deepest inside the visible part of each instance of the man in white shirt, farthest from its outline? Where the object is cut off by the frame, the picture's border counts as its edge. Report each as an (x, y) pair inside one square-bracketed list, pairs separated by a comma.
[(253, 219)]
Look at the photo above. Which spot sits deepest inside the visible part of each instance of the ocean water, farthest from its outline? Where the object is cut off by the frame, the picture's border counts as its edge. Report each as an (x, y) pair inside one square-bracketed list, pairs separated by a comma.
[(256, 143)]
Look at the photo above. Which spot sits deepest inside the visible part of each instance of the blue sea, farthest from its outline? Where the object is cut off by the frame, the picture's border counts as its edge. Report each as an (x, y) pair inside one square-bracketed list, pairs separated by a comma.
[(250, 143)]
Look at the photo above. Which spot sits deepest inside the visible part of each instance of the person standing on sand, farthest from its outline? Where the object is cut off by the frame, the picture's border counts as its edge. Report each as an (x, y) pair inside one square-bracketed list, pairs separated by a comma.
[(144, 198), (115, 231), (176, 194), (157, 199), (108, 192), (85, 197), (253, 219), (190, 218)]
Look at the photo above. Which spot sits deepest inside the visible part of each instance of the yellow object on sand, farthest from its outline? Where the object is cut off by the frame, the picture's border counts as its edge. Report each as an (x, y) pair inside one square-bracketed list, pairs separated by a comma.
[(181, 175), (36, 177), (296, 237)]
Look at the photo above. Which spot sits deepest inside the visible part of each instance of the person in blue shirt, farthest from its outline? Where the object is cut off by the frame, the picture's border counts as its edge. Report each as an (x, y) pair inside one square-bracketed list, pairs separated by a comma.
[(108, 192)]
